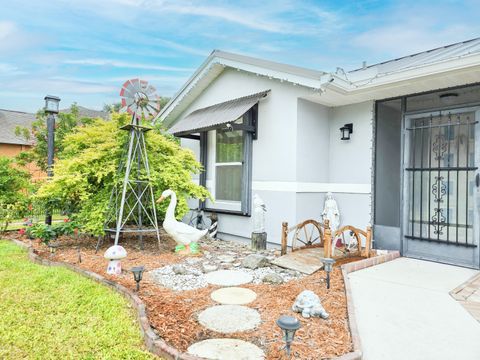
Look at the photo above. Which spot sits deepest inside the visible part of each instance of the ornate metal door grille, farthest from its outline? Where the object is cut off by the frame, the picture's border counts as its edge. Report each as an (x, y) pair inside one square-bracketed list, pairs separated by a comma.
[(440, 174)]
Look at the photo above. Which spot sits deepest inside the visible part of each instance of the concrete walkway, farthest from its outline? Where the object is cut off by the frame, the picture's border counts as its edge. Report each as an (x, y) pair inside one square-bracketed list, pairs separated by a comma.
[(404, 311)]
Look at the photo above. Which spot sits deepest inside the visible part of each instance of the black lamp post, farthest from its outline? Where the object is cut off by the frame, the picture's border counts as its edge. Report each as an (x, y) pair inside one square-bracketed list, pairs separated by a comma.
[(346, 130), (328, 267), (289, 326), (138, 274), (51, 108)]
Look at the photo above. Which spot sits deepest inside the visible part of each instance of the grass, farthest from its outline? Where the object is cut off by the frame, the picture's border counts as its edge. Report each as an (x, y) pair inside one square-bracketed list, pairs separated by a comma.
[(54, 313)]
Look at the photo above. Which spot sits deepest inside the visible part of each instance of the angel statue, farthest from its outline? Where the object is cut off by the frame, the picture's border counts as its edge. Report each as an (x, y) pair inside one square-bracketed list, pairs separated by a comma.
[(331, 213)]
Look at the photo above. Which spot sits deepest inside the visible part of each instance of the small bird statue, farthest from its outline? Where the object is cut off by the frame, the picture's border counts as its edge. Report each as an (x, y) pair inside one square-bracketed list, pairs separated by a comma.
[(183, 234)]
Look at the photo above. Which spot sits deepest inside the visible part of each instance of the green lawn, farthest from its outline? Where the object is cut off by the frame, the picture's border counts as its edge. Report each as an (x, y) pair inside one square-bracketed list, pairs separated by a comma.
[(54, 313)]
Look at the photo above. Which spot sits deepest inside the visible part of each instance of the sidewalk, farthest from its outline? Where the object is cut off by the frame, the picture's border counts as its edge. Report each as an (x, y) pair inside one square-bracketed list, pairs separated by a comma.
[(404, 311)]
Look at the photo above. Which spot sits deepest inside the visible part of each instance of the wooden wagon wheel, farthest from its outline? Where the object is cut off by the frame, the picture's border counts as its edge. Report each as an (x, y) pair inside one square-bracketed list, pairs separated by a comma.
[(307, 234)]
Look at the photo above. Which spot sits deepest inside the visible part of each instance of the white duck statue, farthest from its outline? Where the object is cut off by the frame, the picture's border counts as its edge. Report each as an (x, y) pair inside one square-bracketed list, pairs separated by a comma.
[(183, 234)]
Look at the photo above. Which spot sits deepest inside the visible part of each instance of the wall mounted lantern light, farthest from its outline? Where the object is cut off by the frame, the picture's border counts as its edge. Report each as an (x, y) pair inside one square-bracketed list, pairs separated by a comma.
[(346, 130), (289, 326), (138, 274)]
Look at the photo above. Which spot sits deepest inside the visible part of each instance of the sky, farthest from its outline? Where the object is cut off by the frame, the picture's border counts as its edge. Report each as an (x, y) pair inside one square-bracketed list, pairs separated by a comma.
[(83, 51)]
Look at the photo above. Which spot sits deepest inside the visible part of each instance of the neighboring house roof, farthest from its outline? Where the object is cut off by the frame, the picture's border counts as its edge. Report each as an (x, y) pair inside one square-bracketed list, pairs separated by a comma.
[(451, 65), (85, 112), (9, 120)]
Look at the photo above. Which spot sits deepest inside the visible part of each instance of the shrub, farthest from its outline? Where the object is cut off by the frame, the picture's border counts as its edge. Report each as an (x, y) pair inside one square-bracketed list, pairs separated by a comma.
[(41, 231), (86, 171)]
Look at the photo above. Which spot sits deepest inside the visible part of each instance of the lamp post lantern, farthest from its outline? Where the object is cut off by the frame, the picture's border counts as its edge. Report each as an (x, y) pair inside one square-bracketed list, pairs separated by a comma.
[(51, 108)]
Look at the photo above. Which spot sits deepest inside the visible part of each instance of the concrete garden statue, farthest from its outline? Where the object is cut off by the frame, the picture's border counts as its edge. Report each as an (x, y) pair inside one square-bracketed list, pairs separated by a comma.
[(184, 235), (308, 303), (114, 254), (331, 212)]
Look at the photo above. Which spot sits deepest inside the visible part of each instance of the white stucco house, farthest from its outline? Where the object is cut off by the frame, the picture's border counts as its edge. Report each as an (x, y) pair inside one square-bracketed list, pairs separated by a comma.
[(409, 167)]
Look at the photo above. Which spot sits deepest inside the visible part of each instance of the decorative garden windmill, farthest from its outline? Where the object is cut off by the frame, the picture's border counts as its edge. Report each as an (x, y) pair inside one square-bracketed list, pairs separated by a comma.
[(132, 203)]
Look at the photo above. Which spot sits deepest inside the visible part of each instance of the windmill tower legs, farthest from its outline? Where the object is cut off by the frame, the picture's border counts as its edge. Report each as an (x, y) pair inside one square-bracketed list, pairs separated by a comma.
[(134, 205)]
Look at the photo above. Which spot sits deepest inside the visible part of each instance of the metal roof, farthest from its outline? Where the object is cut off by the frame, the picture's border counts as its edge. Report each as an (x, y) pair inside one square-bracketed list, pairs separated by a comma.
[(212, 116), (9, 120), (432, 56)]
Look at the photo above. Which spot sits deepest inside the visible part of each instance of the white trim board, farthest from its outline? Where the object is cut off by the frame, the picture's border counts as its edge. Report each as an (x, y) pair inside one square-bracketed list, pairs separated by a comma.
[(307, 187)]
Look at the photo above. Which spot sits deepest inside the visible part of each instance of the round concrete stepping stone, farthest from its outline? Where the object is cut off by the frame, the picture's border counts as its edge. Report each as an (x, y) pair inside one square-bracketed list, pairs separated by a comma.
[(226, 349), (228, 277), (229, 318), (233, 296)]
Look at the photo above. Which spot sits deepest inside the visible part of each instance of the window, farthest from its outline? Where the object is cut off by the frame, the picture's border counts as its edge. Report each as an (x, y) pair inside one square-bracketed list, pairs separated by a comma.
[(228, 164), (227, 153)]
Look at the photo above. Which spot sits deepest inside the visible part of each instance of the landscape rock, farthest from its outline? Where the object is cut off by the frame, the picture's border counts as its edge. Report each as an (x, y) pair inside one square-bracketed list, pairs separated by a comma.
[(206, 267), (308, 303), (226, 258), (179, 270), (255, 261), (273, 279)]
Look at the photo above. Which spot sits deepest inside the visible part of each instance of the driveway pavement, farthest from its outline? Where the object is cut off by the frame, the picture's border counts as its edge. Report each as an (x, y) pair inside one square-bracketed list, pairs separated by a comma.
[(404, 311)]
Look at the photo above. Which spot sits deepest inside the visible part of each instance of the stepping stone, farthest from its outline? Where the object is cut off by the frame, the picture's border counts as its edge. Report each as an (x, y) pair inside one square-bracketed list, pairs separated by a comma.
[(233, 296), (229, 318), (228, 277), (226, 349)]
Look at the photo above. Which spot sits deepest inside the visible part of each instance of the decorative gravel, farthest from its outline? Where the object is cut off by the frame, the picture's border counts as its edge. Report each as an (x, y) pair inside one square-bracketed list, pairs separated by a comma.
[(217, 255)]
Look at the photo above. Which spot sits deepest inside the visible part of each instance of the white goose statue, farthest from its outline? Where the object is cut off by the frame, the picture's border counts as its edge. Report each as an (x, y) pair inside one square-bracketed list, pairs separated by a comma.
[(182, 233)]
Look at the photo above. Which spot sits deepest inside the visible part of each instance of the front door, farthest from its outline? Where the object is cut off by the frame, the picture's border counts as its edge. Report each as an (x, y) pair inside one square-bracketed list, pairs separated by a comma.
[(441, 208)]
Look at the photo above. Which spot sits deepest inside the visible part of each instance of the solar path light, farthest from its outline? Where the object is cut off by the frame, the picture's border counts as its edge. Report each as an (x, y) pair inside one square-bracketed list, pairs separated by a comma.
[(328, 267), (289, 326), (137, 275)]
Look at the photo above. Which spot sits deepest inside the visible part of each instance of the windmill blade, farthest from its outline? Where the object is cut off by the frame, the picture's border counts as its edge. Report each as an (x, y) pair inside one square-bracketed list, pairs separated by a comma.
[(150, 90), (136, 85), (139, 98), (127, 90)]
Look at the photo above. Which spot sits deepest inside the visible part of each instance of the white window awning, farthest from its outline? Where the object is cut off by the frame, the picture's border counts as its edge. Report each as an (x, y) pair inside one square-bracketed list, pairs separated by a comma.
[(214, 116)]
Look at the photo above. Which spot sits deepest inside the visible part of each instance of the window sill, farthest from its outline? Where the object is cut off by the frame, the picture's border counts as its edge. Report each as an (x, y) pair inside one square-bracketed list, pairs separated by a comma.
[(226, 212)]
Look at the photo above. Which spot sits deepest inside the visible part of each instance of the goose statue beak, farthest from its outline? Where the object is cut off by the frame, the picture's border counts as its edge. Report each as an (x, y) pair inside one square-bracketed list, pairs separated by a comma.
[(160, 199)]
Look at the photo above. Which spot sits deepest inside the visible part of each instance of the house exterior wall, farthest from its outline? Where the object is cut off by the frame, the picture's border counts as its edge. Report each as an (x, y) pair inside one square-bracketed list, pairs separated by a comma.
[(297, 154), (325, 163), (12, 150)]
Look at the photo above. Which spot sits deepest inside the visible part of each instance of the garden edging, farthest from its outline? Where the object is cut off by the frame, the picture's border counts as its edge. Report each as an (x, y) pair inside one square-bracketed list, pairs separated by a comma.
[(357, 353), (158, 346)]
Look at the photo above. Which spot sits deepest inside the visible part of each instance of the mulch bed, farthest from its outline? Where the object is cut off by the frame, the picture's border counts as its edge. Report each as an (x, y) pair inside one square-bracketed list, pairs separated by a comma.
[(173, 314)]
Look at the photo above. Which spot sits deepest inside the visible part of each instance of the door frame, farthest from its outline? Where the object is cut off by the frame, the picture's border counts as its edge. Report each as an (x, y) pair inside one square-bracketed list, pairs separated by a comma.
[(455, 250)]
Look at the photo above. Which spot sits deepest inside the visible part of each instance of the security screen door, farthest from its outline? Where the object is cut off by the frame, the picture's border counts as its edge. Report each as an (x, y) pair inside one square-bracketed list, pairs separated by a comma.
[(441, 186)]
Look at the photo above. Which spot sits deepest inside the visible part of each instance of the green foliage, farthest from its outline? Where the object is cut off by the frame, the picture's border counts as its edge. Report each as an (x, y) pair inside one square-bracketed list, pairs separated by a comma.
[(65, 227), (13, 182), (64, 125), (86, 171), (54, 313), (41, 231), (14, 186)]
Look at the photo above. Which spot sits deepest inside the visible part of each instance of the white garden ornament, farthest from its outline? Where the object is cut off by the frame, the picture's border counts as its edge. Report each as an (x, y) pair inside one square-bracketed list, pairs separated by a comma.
[(114, 254), (331, 212), (183, 234)]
